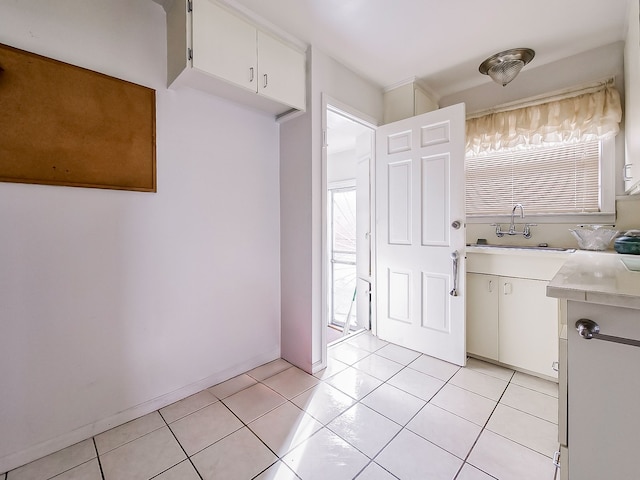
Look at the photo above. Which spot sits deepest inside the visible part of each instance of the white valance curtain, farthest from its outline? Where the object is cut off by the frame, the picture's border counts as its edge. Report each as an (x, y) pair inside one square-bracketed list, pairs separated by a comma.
[(589, 116)]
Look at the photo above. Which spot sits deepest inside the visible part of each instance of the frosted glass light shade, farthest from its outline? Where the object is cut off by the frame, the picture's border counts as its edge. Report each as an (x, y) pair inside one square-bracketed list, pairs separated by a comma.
[(503, 67), (504, 72)]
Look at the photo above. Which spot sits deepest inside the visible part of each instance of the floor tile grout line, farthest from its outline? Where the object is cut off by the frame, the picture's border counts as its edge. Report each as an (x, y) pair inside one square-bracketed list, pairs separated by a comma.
[(133, 439), (356, 401), (98, 457), (530, 414), (482, 430), (278, 460), (458, 386), (511, 440), (61, 473), (357, 475), (535, 390), (403, 427), (190, 413), (221, 438), (182, 448), (326, 424)]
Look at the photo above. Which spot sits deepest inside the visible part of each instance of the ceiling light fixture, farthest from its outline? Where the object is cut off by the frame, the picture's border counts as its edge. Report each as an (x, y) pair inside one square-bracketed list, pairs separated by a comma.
[(505, 66)]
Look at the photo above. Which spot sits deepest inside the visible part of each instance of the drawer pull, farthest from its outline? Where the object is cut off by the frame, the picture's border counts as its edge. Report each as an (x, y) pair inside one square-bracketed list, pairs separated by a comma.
[(588, 329)]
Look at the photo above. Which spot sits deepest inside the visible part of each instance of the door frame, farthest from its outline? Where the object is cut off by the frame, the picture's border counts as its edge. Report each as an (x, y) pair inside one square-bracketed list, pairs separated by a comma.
[(329, 103)]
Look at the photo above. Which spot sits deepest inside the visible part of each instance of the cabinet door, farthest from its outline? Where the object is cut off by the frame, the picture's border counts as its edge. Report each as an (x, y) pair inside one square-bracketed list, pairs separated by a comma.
[(224, 45), (604, 394), (528, 325), (281, 72), (482, 315)]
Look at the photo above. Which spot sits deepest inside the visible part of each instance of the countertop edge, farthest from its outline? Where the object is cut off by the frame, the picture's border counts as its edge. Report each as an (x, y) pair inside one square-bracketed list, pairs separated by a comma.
[(596, 277)]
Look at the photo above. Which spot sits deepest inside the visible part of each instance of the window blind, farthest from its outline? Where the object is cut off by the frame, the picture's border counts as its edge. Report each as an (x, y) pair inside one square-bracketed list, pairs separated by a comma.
[(562, 179)]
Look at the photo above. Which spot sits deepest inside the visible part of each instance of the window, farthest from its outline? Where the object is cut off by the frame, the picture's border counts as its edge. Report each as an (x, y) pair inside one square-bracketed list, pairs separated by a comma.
[(556, 158), (343, 254), (561, 179)]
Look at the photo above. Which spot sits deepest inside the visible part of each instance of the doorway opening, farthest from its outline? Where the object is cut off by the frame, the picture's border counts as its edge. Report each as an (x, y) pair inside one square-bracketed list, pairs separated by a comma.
[(349, 146)]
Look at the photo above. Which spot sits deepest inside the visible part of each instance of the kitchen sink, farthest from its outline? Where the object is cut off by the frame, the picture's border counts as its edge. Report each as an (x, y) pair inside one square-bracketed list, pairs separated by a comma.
[(524, 247)]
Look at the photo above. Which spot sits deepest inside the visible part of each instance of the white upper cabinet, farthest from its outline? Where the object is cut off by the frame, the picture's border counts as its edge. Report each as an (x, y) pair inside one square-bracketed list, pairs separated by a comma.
[(213, 49), (224, 45), (281, 71)]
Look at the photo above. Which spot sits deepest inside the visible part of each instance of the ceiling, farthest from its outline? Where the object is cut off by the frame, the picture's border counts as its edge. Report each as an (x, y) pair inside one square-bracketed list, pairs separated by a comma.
[(342, 133), (442, 42)]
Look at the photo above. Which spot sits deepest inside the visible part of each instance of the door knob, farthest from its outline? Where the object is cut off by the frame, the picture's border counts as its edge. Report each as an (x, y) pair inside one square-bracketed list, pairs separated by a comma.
[(456, 224)]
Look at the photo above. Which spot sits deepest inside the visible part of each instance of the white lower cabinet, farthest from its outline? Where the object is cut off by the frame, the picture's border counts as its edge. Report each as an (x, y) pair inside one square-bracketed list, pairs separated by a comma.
[(528, 326), (511, 320), (603, 394), (482, 315)]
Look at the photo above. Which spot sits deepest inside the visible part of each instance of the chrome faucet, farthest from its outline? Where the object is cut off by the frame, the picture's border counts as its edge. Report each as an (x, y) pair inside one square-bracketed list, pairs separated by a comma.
[(512, 227), (526, 232)]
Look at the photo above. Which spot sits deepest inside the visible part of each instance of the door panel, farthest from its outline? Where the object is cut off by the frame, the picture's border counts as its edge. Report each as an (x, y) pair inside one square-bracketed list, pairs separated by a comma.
[(435, 200), (419, 193), (399, 296), (435, 313), (399, 210)]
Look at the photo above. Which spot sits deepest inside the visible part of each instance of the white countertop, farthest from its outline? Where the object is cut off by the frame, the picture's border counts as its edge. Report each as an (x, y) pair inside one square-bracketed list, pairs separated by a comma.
[(514, 250), (597, 277)]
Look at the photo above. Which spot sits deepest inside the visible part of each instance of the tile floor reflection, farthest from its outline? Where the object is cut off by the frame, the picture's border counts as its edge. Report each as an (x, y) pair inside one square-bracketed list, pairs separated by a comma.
[(378, 411)]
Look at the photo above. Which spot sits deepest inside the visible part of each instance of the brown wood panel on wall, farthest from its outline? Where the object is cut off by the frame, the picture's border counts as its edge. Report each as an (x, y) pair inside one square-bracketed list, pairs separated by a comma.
[(65, 125)]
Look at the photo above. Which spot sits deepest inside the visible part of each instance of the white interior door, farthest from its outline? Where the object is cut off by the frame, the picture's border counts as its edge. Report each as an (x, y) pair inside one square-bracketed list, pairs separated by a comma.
[(419, 201)]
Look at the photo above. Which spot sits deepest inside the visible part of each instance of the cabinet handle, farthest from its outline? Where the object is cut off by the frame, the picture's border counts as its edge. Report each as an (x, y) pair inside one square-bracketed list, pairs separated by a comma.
[(555, 366), (490, 286), (265, 81), (556, 459), (250, 74), (507, 289), (588, 329), (624, 172)]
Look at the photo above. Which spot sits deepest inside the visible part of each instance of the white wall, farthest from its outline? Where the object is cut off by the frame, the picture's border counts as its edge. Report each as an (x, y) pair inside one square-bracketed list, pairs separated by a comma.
[(115, 303), (341, 166), (632, 100), (589, 66), (301, 204), (592, 65), (295, 244)]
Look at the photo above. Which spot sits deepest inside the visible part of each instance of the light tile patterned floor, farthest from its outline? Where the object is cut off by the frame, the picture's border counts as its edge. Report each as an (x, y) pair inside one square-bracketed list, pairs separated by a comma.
[(378, 412)]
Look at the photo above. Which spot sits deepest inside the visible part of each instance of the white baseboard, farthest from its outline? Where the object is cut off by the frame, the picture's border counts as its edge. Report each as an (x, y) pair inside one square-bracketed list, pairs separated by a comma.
[(15, 460)]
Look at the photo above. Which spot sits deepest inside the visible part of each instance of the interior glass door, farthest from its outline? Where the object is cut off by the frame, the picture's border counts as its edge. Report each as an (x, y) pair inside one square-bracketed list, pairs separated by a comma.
[(343, 256)]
